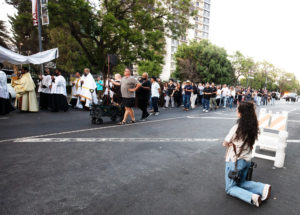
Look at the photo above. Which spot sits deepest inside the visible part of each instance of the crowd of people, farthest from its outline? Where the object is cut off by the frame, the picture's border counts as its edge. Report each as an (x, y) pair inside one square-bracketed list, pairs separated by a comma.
[(128, 92)]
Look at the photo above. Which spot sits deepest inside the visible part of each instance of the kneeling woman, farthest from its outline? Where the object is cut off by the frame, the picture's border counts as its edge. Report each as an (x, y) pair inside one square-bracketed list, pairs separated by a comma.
[(239, 143)]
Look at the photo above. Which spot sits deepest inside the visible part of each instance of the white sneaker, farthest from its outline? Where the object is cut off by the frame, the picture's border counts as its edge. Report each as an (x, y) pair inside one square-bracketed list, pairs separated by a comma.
[(203, 110), (256, 200), (206, 111), (156, 114), (266, 192)]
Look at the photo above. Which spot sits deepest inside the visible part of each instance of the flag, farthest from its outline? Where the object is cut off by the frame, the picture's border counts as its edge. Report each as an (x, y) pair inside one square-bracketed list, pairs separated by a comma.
[(44, 12), (34, 12)]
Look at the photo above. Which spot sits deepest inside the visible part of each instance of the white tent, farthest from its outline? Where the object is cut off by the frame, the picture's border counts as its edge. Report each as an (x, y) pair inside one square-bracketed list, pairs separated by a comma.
[(39, 58)]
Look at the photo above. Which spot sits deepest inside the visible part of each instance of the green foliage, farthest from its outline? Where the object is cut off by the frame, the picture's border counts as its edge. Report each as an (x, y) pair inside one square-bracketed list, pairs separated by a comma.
[(133, 30), (242, 65), (25, 35), (153, 68), (288, 83), (203, 61), (71, 58)]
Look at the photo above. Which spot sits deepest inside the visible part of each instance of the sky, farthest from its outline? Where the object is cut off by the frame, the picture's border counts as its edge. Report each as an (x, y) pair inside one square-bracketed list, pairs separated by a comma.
[(262, 29)]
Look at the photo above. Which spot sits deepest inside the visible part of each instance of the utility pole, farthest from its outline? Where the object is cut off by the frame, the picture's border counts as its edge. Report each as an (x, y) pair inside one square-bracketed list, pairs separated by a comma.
[(40, 30)]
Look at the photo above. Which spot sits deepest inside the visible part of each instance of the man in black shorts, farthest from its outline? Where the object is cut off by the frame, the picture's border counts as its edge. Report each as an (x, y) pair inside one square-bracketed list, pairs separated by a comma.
[(128, 87)]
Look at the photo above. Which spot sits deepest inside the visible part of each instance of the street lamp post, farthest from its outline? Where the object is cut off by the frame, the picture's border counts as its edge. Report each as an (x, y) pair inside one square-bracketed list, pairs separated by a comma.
[(40, 30)]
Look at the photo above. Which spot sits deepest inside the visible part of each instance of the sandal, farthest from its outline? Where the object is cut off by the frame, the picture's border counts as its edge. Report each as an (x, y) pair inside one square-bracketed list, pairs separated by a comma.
[(122, 123), (132, 121)]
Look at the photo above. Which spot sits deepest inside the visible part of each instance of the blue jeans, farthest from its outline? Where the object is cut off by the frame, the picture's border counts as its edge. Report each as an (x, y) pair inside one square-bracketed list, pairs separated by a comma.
[(244, 189), (230, 102), (187, 101), (272, 101), (225, 100), (206, 104)]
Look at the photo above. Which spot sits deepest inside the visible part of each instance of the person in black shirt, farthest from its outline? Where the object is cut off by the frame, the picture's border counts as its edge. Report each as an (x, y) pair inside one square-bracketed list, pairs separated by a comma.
[(170, 94), (117, 97), (188, 89), (143, 96), (178, 94), (206, 93), (212, 101), (273, 97)]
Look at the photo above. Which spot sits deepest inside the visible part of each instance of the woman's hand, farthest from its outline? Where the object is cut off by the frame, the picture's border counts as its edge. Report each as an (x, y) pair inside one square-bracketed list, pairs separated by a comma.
[(226, 144)]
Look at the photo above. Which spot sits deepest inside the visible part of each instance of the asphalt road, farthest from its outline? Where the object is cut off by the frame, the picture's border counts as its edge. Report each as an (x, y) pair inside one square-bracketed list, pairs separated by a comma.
[(58, 163)]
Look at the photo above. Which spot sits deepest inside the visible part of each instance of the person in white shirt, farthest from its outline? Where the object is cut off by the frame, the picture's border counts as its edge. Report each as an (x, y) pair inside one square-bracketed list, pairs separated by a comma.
[(225, 95), (218, 98), (76, 90), (58, 99), (5, 103), (155, 92), (201, 88), (44, 89), (87, 84), (231, 96), (239, 143)]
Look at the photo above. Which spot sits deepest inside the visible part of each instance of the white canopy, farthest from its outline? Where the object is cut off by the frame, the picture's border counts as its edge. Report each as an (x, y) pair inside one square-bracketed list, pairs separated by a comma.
[(39, 58)]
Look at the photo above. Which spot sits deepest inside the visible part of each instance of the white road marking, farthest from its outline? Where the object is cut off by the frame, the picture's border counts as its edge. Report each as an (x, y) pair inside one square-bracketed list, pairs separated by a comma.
[(3, 118), (58, 140), (209, 117), (292, 110), (92, 129), (293, 120), (293, 141)]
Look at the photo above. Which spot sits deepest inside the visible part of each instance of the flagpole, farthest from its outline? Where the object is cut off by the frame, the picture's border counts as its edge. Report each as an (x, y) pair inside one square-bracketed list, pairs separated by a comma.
[(40, 30)]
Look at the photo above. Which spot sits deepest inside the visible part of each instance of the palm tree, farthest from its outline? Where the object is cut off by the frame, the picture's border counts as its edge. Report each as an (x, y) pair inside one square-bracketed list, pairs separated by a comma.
[(4, 37)]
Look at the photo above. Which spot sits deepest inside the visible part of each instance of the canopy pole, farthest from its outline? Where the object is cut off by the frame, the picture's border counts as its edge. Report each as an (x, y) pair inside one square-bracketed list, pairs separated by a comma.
[(40, 31)]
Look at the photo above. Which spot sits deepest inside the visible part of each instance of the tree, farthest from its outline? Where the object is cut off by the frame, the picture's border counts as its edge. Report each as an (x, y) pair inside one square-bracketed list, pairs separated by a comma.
[(71, 57), (25, 35), (242, 65), (134, 30), (288, 83), (151, 67), (203, 61), (4, 37)]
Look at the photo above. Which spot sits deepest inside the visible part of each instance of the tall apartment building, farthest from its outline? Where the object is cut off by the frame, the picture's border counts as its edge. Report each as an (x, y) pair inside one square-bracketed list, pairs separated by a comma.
[(198, 32)]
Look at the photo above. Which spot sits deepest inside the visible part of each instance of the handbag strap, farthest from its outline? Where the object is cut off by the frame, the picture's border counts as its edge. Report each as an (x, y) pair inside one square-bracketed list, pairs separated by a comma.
[(234, 149)]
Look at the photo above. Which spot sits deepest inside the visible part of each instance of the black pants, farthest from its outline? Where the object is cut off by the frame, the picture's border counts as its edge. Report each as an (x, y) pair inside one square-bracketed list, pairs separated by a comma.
[(218, 102), (155, 104), (44, 98), (142, 104), (58, 102), (200, 98)]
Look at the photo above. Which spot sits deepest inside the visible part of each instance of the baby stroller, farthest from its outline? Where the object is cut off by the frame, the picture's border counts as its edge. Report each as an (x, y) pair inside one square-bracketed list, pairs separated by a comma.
[(105, 109)]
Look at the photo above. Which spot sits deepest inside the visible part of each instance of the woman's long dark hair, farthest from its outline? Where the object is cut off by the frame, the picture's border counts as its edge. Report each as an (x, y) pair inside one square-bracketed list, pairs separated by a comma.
[(248, 129)]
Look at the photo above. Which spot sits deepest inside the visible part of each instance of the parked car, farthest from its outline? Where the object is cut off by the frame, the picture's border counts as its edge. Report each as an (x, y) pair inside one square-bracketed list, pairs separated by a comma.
[(290, 97)]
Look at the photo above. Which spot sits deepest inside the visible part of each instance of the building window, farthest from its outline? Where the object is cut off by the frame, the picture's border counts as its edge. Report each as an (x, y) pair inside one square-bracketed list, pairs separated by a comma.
[(205, 27), (196, 26), (206, 6), (206, 13), (206, 20), (197, 3), (196, 18)]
